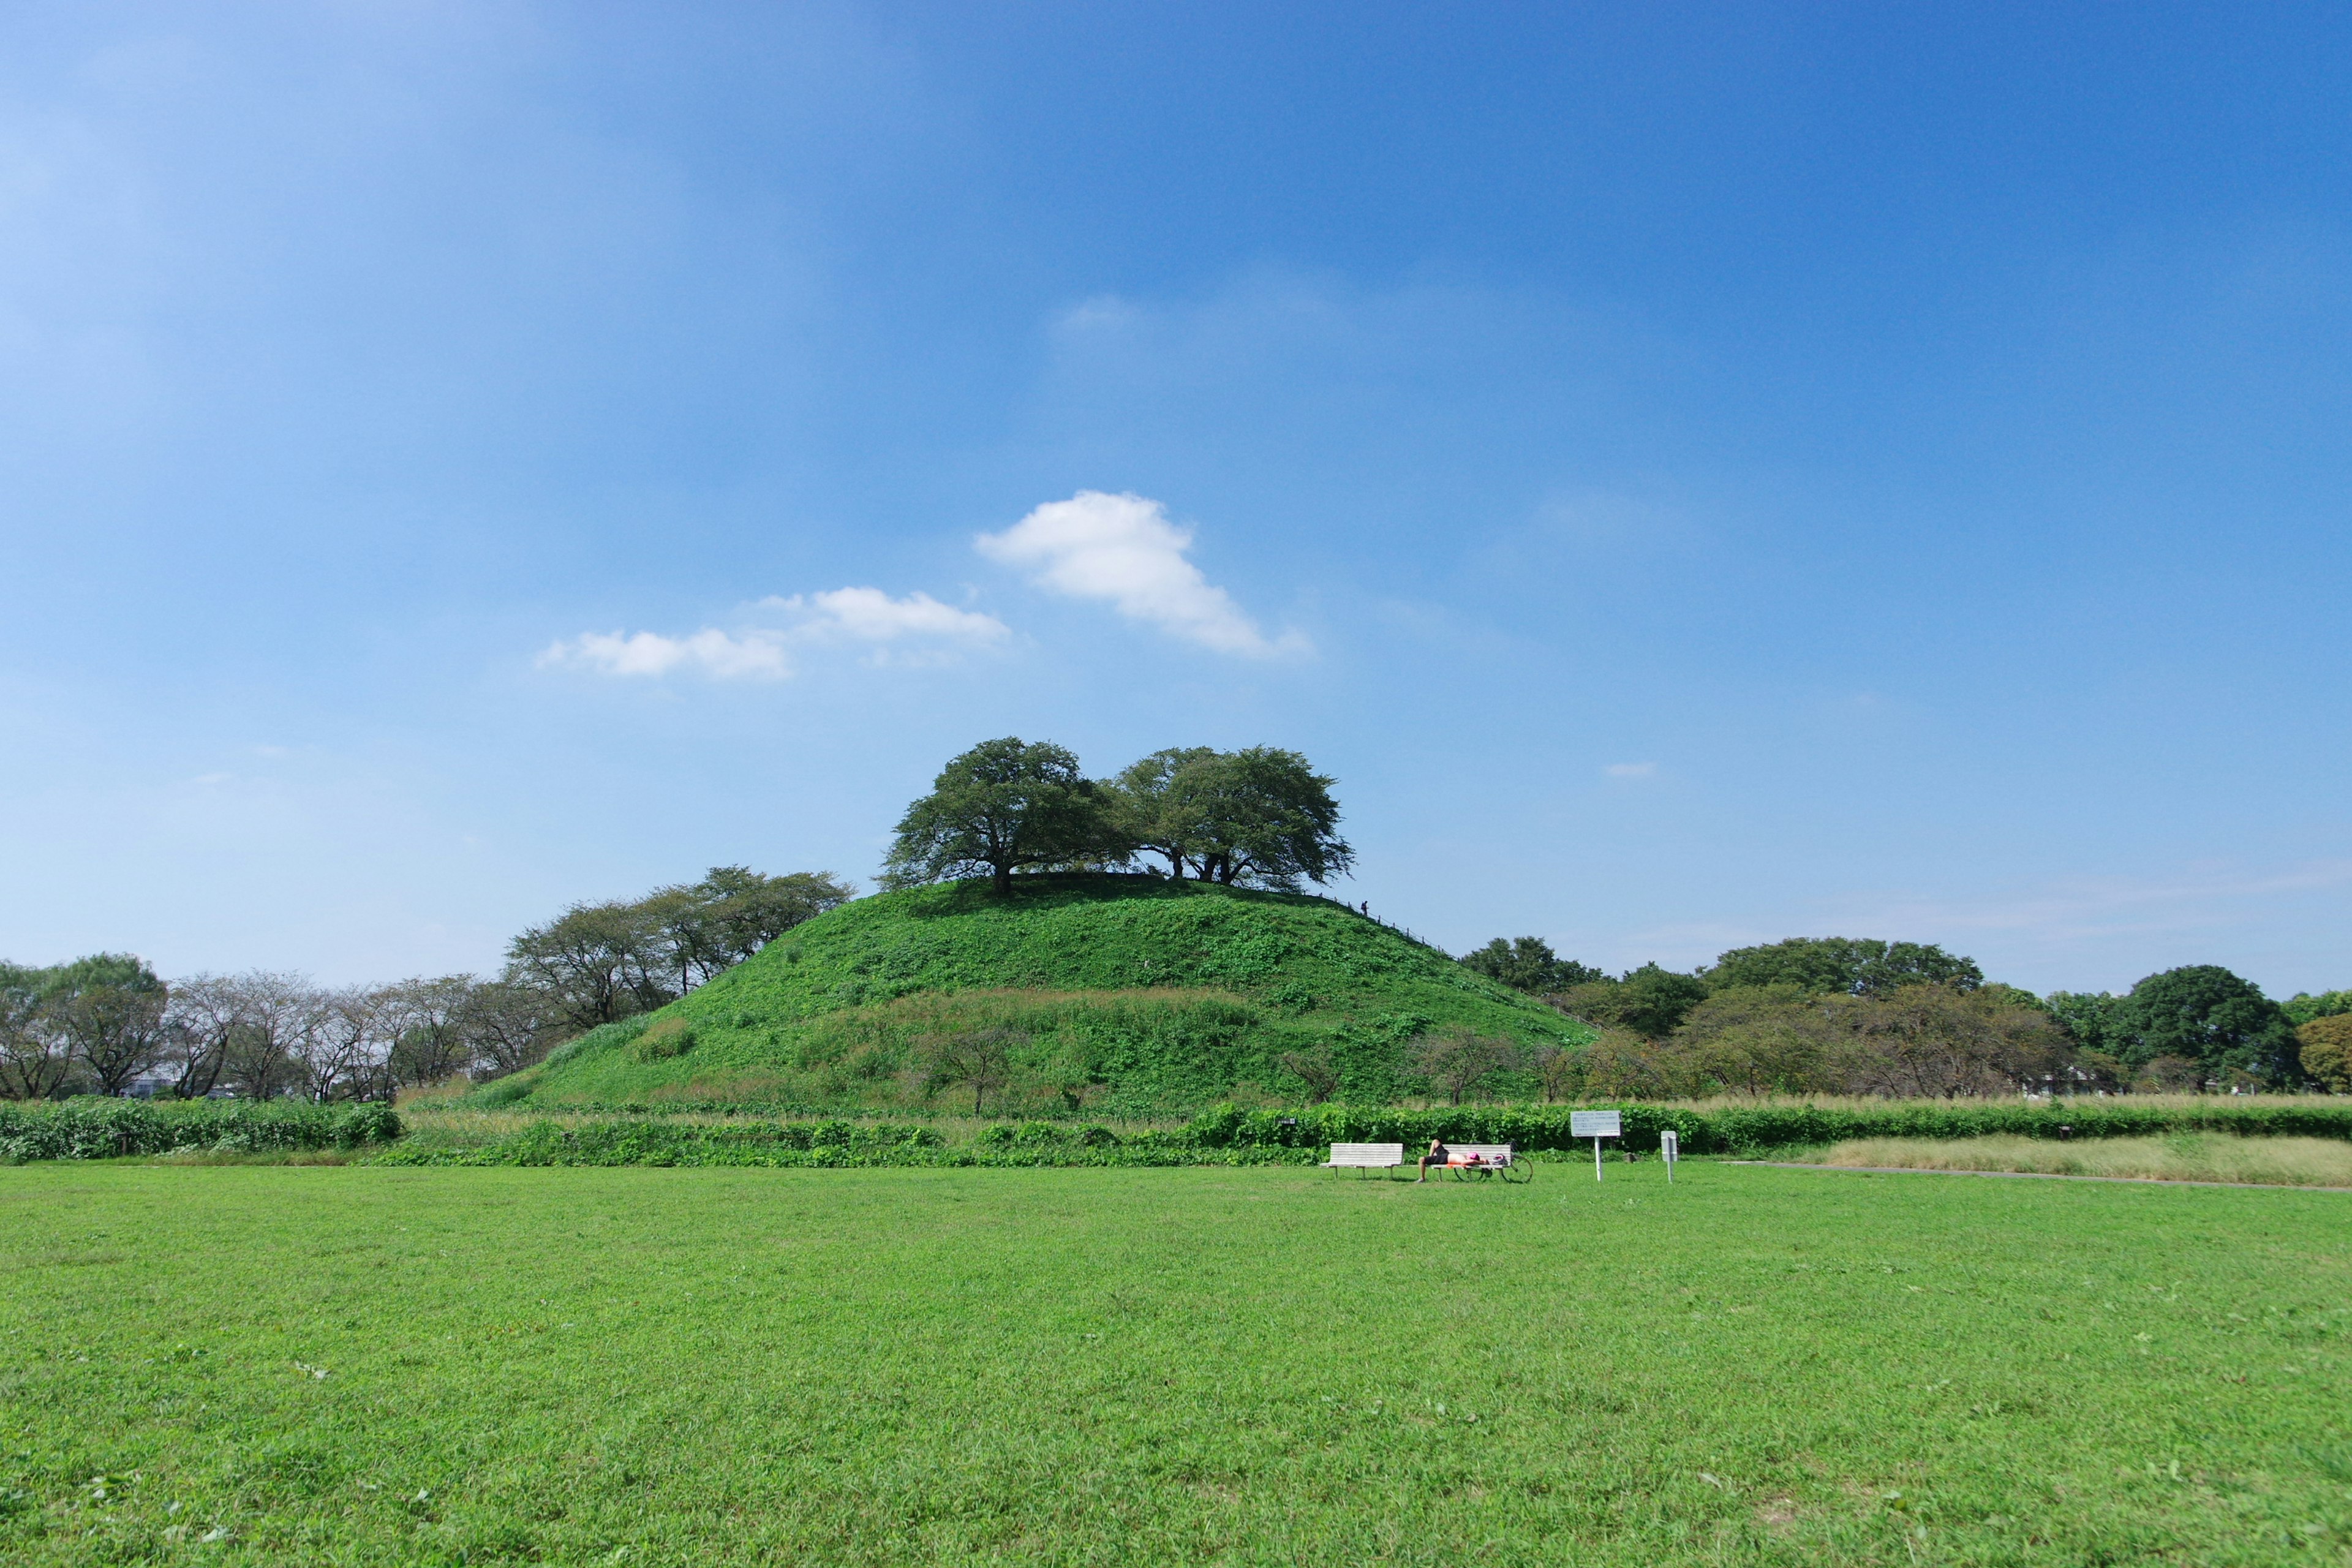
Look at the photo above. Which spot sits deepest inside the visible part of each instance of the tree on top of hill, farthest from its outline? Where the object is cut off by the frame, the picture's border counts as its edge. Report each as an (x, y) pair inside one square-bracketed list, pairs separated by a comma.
[(1000, 806), (1860, 966), (1140, 803), (1261, 816)]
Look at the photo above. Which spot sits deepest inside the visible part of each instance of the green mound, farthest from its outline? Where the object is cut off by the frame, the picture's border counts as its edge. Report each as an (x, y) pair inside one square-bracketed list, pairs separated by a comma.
[(1127, 995)]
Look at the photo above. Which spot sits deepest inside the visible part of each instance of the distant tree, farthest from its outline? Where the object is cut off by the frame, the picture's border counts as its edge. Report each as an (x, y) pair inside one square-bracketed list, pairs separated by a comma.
[(424, 1024), (1316, 1069), (1528, 963), (110, 1008), (2169, 1074), (510, 1024), (274, 1012), (199, 1020), (1262, 816), (1856, 965), (2327, 1051), (1560, 1070), (1651, 1000), (2089, 1017), (2303, 1007), (598, 962), (744, 912), (2208, 1016), (1457, 1060), (979, 1059), (1624, 1064), (1000, 808), (1931, 1041), (33, 1058), (1767, 1040), (1140, 803)]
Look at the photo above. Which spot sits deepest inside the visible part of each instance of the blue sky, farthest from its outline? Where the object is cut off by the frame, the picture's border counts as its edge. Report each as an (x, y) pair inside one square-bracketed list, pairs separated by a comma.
[(1696, 475)]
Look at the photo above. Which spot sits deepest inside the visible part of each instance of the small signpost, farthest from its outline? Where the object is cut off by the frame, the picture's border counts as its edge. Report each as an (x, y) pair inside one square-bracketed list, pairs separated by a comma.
[(1670, 1149), (1596, 1125)]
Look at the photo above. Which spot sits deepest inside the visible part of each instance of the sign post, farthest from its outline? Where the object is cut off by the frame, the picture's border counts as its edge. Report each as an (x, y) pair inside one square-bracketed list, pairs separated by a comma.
[(1670, 1149), (1596, 1125)]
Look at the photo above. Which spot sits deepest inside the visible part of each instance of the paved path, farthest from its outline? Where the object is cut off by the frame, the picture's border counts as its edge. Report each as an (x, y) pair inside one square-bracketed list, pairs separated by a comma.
[(2030, 1175)]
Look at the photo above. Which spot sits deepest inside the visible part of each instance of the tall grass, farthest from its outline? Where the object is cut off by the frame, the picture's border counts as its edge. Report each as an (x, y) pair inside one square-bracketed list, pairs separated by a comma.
[(2181, 1157)]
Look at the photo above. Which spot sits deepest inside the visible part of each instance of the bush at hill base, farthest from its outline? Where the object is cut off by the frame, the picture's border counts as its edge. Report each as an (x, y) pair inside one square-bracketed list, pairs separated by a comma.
[(1127, 995), (1230, 1135), (98, 1129)]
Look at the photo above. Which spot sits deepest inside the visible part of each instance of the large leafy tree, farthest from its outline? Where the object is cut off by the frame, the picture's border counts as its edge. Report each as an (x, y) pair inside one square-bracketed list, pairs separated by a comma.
[(33, 1061), (1140, 803), (1652, 1000), (2327, 1051), (2207, 1015), (1528, 963), (1261, 816), (1000, 808), (110, 1009), (1859, 966)]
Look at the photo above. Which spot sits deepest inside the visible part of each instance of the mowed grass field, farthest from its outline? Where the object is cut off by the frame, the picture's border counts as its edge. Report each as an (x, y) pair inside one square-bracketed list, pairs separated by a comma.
[(375, 1365)]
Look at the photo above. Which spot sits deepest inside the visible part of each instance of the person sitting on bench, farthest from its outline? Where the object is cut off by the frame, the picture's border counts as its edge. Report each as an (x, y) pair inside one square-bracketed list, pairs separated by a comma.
[(1438, 1155)]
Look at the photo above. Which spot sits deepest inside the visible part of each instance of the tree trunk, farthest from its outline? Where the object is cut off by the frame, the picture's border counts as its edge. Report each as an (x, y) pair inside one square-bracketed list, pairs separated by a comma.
[(1003, 880)]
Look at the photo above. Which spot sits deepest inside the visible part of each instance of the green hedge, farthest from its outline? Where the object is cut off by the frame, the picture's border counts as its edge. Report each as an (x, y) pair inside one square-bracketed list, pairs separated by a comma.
[(1741, 1129), (94, 1128), (833, 1145)]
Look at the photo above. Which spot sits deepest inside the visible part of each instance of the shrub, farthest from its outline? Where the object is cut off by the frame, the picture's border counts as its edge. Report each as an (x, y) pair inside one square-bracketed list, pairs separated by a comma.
[(92, 1128), (662, 1039), (2328, 1051)]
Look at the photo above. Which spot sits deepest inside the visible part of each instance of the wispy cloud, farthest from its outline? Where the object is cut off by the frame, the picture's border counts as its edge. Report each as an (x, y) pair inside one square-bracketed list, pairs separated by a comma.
[(866, 616), (754, 656), (871, 616), (1122, 549)]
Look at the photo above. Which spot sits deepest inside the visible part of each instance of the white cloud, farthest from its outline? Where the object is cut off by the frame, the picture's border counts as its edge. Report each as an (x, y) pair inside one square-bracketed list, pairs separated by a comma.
[(1632, 770), (754, 656), (866, 615), (869, 615), (1123, 549)]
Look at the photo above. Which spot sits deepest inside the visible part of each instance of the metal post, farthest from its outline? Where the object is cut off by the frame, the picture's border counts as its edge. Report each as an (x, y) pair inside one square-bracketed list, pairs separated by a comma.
[(1596, 1159)]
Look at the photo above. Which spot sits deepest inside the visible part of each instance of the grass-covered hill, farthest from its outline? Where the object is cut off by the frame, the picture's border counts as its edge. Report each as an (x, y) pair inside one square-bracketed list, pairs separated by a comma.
[(1127, 994)]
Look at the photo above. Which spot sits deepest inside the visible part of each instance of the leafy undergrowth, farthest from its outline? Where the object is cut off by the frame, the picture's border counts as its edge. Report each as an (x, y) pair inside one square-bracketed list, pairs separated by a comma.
[(2182, 1157), (1234, 1135), (1134, 996), (1752, 1366)]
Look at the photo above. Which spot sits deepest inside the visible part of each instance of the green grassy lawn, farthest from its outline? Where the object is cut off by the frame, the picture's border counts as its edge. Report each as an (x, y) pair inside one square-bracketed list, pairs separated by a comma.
[(373, 1365)]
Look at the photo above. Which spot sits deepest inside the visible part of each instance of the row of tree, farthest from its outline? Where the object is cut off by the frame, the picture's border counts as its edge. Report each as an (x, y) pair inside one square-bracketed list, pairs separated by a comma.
[(1257, 818), (1840, 1014), (109, 1024)]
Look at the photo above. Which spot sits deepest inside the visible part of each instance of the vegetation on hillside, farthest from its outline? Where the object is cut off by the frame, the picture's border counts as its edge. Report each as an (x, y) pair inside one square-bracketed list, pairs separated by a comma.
[(1125, 994)]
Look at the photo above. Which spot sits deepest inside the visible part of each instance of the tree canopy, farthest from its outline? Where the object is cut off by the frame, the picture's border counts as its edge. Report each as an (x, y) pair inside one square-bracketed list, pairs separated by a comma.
[(1261, 815), (1858, 966), (1528, 963), (2206, 1014), (1000, 806)]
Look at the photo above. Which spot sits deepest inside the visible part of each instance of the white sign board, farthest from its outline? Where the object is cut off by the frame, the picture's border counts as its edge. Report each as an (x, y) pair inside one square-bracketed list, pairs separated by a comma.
[(1595, 1124)]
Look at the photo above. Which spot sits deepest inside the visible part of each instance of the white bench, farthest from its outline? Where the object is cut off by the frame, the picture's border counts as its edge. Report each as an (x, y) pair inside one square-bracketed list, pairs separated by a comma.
[(1365, 1157)]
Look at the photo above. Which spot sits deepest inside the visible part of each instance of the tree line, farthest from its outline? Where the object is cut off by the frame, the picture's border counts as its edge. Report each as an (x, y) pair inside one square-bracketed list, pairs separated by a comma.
[(108, 1024), (1259, 818), (1853, 1016)]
